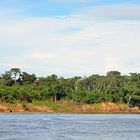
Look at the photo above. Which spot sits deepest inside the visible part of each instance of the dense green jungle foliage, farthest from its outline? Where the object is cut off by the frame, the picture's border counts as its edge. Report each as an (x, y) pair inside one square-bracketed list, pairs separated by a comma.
[(113, 87)]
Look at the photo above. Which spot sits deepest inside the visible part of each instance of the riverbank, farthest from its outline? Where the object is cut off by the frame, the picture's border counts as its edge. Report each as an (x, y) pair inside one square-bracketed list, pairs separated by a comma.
[(68, 106)]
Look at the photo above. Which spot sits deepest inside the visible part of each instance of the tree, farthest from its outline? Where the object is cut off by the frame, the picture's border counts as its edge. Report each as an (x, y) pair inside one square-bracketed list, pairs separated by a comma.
[(55, 88), (131, 91), (132, 88), (6, 79), (15, 74), (114, 74), (6, 75), (28, 78)]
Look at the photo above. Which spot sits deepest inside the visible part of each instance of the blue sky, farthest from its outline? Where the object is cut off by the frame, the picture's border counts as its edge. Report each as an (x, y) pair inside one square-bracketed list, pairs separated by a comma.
[(56, 7), (76, 37)]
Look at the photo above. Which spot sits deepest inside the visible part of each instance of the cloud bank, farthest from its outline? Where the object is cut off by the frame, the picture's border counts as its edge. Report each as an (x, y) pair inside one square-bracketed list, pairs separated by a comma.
[(73, 45)]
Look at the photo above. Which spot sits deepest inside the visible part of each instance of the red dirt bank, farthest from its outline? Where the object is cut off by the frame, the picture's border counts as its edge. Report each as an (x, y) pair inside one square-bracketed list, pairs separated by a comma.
[(85, 108)]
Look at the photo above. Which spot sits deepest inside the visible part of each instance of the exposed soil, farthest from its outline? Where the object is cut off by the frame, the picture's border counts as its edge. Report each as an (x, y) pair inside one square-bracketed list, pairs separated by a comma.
[(84, 108)]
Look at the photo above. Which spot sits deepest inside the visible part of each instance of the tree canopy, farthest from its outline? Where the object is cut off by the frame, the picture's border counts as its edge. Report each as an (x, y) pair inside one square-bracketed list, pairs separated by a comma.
[(16, 85)]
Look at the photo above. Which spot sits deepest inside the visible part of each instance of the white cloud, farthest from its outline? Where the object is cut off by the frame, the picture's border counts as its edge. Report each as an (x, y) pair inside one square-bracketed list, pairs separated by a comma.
[(47, 45), (120, 11)]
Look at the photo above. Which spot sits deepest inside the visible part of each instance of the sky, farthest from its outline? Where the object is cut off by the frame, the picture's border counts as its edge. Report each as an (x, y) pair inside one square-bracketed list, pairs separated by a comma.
[(70, 38)]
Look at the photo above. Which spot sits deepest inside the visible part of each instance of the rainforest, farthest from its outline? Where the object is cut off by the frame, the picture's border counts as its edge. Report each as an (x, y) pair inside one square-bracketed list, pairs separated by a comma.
[(66, 94)]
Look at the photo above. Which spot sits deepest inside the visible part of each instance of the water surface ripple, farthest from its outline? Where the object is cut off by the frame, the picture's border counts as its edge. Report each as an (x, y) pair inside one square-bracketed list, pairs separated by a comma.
[(44, 126)]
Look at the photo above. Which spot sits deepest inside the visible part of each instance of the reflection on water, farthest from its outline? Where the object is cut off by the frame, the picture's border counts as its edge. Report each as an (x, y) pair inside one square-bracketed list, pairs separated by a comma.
[(43, 126)]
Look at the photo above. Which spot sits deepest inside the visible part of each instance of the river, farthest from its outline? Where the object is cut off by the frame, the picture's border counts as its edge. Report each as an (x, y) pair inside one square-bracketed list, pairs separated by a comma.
[(45, 126)]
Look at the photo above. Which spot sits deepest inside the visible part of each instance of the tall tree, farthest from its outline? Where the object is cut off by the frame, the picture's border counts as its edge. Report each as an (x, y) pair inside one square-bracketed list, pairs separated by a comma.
[(15, 74)]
